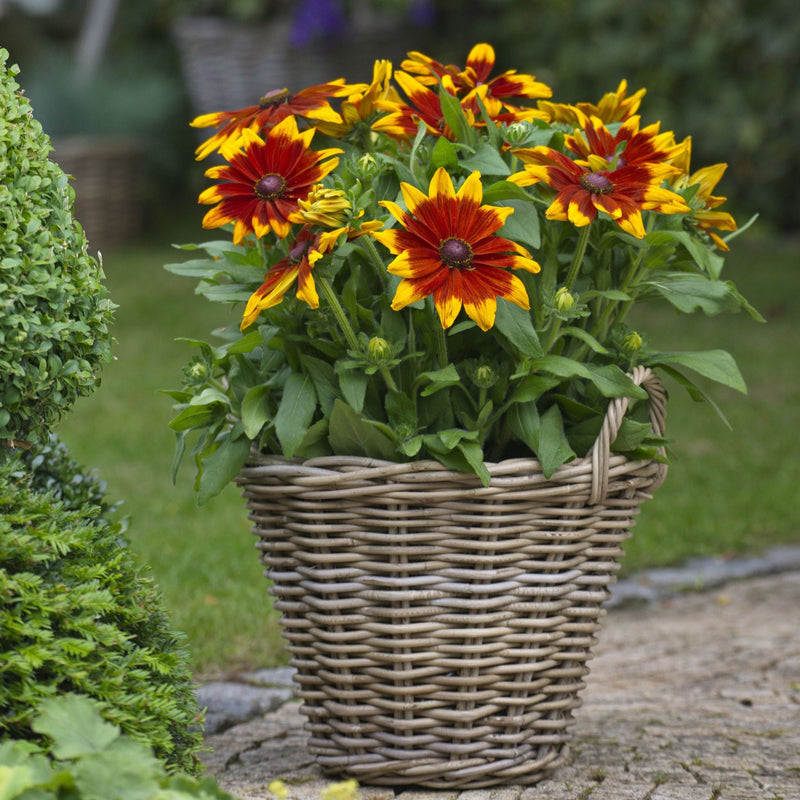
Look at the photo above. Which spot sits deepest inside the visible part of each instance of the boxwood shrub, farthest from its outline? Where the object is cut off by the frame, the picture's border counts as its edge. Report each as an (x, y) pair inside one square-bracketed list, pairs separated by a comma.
[(54, 324), (79, 615)]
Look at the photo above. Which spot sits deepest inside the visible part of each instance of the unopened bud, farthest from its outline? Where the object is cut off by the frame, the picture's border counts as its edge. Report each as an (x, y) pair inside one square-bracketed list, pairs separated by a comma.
[(368, 166), (563, 300), (198, 371), (517, 133), (632, 343), (378, 349)]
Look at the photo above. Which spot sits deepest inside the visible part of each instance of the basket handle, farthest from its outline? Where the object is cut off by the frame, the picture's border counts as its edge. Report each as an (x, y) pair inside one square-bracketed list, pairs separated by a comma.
[(601, 450)]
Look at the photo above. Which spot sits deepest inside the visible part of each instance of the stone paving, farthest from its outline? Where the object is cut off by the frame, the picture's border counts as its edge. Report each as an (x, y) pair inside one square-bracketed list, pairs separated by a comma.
[(694, 696)]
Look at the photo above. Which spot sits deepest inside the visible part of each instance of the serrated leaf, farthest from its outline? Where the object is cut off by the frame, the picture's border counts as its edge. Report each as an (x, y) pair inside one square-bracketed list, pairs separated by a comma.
[(351, 435), (75, 725), (610, 380), (690, 292)]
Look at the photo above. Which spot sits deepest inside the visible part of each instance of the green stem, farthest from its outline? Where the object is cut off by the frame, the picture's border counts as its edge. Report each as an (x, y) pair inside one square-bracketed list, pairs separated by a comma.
[(441, 346), (574, 269), (375, 257), (387, 376), (338, 312)]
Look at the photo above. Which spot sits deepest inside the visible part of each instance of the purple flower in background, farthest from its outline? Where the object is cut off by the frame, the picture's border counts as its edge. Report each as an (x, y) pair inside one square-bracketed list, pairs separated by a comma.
[(422, 13), (315, 20)]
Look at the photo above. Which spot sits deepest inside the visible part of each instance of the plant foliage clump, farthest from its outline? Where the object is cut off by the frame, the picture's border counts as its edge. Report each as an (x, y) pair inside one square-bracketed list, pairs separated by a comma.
[(54, 325), (90, 758), (78, 615)]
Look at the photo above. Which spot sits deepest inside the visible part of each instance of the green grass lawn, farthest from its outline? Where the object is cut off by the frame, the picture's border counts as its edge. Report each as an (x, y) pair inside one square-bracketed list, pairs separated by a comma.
[(727, 492)]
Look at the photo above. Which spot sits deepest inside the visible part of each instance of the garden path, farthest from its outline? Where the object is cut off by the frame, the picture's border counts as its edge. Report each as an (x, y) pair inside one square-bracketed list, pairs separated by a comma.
[(692, 696)]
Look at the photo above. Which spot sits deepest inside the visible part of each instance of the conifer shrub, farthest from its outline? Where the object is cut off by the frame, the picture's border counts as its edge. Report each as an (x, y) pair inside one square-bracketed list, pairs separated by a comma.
[(79, 615), (55, 312)]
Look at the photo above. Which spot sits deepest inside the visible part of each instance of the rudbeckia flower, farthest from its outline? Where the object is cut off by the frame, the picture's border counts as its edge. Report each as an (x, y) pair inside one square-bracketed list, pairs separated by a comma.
[(361, 105), (621, 193), (296, 267), (474, 80), (612, 107), (263, 183), (403, 120), (628, 146), (704, 204), (448, 248), (312, 104)]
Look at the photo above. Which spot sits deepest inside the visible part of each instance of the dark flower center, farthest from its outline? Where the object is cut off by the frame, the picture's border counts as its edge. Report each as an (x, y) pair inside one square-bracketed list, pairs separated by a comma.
[(274, 98), (298, 251), (597, 183), (270, 186), (456, 253)]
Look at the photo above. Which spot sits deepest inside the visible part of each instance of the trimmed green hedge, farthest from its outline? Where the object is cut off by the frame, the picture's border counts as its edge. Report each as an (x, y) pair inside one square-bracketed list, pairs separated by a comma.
[(54, 325), (79, 615)]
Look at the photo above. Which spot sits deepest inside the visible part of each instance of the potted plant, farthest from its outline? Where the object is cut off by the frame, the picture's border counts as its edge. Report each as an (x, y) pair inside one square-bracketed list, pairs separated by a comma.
[(439, 414)]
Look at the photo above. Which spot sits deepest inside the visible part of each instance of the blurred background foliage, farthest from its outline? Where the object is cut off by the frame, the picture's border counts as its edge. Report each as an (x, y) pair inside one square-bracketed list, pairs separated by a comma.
[(722, 71)]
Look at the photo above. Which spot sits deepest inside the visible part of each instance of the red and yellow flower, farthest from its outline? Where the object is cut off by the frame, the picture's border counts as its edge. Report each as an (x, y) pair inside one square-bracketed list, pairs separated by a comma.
[(474, 81), (613, 107), (312, 104), (704, 204), (630, 145), (361, 105), (582, 190), (263, 183), (403, 120), (447, 248)]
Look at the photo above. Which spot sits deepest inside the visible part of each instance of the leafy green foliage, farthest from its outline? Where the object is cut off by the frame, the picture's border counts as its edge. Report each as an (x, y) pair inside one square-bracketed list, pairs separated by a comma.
[(79, 615), (88, 758), (54, 327)]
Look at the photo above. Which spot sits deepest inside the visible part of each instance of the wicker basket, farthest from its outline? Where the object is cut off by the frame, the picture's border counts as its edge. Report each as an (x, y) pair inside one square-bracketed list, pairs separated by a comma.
[(107, 178), (440, 629)]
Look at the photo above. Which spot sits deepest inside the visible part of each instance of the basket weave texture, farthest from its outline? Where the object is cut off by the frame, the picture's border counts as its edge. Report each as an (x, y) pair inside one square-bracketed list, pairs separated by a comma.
[(440, 629)]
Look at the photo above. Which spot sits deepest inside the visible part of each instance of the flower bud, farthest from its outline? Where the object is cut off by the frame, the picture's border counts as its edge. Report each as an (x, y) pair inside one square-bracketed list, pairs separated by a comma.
[(378, 349), (368, 166), (517, 133), (323, 206), (632, 343), (563, 300), (198, 371)]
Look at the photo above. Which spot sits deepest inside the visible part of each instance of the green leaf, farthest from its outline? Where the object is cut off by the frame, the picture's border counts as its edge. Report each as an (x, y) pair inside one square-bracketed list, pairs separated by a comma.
[(351, 435), (504, 190), (444, 154), (75, 725), (454, 116), (473, 453), (554, 449), (440, 379), (695, 392), (487, 161), (516, 325), (586, 337), (525, 422), (315, 442), (324, 379), (705, 258), (531, 387), (523, 225), (221, 467), (610, 380), (689, 292), (353, 384), (255, 410), (716, 365), (126, 771), (198, 416), (295, 412)]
